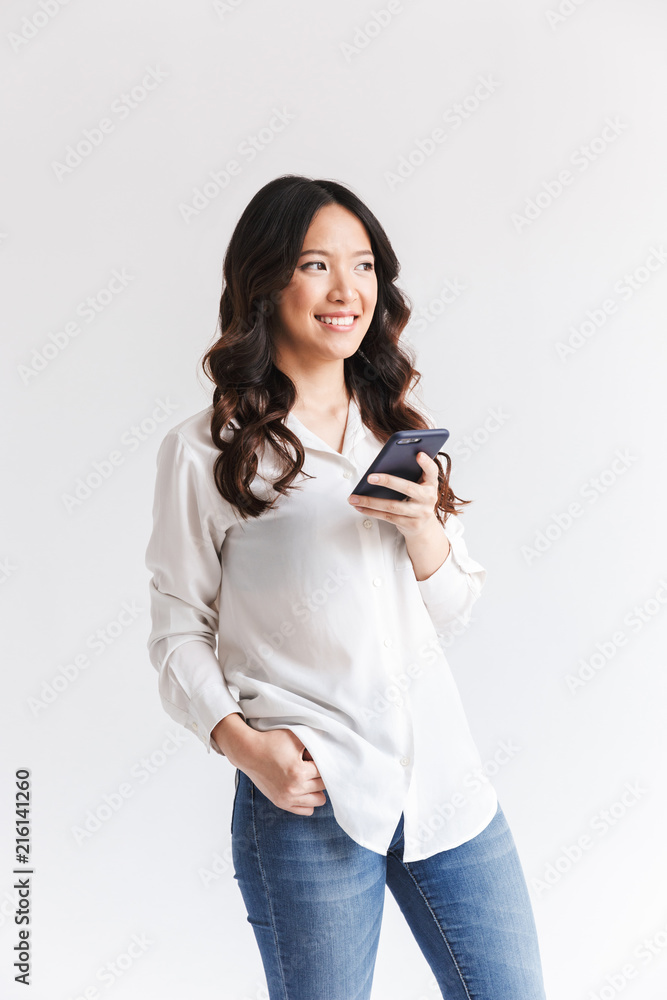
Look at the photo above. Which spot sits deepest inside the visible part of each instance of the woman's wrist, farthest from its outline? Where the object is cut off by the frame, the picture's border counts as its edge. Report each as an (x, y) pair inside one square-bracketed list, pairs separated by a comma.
[(428, 551), (234, 737)]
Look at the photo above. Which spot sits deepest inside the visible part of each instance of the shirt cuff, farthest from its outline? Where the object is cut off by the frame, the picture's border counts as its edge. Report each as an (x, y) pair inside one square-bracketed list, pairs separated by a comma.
[(208, 708), (196, 668), (451, 590)]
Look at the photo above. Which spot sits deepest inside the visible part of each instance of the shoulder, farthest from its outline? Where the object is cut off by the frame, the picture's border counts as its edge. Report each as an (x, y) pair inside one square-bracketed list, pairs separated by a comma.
[(194, 430), (186, 457), (187, 448), (193, 435)]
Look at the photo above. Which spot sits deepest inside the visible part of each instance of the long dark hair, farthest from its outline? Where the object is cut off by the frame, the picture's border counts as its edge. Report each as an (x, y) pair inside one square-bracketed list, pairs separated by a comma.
[(260, 260)]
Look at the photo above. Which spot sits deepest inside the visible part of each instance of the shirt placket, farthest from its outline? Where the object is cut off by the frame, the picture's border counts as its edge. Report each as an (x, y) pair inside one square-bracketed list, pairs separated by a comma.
[(393, 704), (396, 718)]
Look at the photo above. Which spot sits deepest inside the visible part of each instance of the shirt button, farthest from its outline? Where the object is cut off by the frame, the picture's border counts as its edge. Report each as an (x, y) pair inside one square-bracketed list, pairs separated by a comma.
[(347, 474), (388, 641), (405, 761), (367, 523), (377, 582), (195, 726)]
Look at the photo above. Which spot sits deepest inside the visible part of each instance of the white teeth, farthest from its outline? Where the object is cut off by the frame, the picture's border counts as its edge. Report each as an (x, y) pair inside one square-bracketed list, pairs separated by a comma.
[(337, 320)]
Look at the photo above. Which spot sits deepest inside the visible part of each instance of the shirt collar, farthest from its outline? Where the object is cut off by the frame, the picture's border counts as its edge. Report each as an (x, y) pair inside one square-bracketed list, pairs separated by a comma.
[(354, 432)]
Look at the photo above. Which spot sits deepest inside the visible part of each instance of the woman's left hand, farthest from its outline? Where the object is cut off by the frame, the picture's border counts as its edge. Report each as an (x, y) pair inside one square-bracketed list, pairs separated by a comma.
[(412, 517)]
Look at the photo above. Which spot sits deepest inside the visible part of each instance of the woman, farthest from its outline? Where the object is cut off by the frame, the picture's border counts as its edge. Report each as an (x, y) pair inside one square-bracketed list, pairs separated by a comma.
[(330, 692)]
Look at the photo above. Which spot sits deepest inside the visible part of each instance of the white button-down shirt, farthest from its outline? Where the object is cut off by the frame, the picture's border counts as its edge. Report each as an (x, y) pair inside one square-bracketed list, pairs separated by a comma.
[(322, 628)]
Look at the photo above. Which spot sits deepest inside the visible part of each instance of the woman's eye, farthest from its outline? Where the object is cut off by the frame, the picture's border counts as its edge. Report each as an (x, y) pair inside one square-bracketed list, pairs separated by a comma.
[(314, 263)]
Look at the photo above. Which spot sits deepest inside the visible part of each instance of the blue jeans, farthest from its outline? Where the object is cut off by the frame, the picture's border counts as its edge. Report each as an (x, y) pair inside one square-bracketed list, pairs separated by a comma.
[(315, 897)]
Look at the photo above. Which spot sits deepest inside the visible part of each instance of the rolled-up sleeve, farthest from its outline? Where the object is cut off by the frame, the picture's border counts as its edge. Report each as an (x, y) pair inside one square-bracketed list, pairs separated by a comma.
[(451, 591), (184, 557)]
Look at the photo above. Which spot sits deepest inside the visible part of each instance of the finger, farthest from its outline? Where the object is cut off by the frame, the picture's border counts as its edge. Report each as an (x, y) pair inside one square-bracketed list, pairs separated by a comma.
[(430, 468), (404, 514), (384, 508), (394, 483), (313, 799), (308, 800), (311, 772)]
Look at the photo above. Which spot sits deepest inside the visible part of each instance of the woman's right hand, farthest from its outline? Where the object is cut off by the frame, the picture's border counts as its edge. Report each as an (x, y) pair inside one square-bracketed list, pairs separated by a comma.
[(279, 764)]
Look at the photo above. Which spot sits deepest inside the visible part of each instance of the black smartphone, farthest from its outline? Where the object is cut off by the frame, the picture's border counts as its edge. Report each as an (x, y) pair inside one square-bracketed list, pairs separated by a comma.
[(399, 458)]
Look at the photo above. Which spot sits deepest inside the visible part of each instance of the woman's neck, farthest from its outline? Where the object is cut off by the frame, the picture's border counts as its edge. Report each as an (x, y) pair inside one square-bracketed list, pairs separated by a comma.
[(320, 390)]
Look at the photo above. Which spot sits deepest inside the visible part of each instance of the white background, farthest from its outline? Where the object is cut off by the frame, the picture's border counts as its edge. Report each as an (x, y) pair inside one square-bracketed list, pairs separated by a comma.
[(360, 99)]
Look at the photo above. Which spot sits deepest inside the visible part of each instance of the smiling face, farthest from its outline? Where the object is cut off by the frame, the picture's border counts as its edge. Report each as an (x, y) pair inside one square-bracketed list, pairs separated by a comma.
[(326, 309)]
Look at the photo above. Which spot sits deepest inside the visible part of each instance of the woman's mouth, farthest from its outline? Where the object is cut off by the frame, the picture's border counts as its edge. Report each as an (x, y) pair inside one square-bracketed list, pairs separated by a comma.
[(346, 322)]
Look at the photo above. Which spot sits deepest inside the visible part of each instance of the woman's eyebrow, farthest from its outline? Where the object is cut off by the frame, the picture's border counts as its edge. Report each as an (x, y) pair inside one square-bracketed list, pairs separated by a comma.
[(357, 253)]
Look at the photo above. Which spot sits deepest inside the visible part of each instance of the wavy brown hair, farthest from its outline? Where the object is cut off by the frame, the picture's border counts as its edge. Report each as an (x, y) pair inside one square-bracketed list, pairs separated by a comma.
[(259, 262)]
